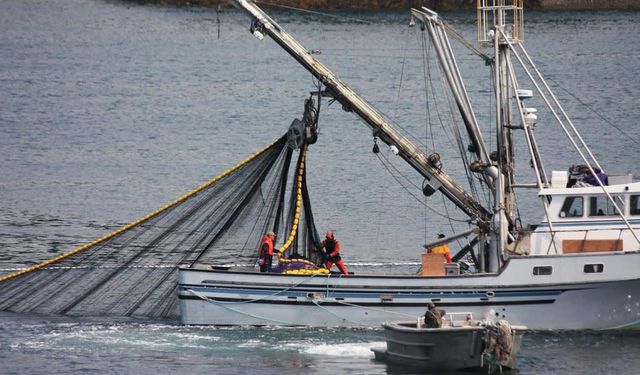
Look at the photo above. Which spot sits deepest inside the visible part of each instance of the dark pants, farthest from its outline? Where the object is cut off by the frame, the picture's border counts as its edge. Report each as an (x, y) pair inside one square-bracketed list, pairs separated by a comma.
[(266, 267)]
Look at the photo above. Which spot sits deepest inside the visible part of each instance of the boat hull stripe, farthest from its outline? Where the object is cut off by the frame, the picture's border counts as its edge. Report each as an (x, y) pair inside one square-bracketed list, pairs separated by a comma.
[(370, 304)]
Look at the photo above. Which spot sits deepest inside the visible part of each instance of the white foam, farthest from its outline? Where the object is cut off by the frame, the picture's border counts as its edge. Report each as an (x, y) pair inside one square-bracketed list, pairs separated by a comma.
[(119, 336), (252, 344), (351, 350)]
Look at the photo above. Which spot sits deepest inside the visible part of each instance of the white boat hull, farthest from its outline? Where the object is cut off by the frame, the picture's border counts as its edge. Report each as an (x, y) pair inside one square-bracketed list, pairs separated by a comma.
[(568, 299)]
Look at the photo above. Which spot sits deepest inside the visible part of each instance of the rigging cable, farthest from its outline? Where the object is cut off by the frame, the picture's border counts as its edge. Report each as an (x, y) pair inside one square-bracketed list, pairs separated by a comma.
[(465, 42), (459, 142), (595, 112), (406, 132), (402, 64), (428, 131), (351, 19), (426, 72), (388, 166), (218, 18), (492, 119), (456, 130), (429, 83)]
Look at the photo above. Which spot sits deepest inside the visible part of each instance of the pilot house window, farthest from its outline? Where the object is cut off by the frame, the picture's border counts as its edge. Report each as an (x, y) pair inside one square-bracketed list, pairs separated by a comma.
[(634, 209), (572, 207), (602, 206)]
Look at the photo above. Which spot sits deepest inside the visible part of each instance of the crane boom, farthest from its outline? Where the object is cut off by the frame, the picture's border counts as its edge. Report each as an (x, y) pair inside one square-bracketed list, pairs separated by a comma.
[(263, 24)]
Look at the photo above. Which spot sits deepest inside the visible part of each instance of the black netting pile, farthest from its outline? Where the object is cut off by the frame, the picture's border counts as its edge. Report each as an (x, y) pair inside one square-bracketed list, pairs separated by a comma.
[(134, 273)]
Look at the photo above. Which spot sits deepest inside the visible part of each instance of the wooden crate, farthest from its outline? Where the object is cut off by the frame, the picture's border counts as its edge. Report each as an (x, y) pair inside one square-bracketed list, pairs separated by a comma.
[(432, 264)]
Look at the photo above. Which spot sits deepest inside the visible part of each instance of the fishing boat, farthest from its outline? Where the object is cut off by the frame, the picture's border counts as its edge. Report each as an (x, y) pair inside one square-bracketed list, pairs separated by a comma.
[(575, 269), (461, 343)]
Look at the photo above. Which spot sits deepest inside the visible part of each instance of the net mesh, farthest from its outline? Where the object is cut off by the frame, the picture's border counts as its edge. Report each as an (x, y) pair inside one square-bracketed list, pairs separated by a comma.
[(133, 271)]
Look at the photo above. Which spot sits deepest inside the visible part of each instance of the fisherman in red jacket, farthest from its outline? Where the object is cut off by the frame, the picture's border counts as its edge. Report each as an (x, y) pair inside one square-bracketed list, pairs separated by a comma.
[(331, 247), (266, 251)]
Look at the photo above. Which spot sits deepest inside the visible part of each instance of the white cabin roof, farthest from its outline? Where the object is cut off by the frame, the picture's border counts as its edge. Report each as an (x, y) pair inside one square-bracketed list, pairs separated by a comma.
[(630, 188)]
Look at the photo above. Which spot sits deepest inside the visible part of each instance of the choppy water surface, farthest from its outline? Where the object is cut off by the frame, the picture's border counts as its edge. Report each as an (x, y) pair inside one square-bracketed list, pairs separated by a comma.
[(40, 345), (108, 110)]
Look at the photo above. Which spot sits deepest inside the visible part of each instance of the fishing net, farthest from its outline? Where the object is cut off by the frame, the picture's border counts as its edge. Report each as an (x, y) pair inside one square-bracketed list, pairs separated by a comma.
[(133, 271)]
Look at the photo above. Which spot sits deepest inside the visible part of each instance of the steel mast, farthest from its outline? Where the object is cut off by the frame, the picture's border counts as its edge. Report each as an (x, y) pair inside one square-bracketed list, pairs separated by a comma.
[(493, 27), (506, 28), (262, 25)]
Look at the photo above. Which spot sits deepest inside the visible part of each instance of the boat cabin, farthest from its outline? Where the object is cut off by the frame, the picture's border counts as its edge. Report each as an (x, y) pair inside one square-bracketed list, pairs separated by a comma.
[(584, 218)]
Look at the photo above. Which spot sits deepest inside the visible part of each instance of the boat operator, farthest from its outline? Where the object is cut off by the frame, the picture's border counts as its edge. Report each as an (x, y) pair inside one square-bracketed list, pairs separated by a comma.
[(331, 255), (433, 316), (266, 251)]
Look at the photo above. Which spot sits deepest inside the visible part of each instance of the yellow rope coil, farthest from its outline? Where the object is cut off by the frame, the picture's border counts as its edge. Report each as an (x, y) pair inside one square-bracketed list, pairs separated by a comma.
[(296, 219), (318, 271), (137, 222)]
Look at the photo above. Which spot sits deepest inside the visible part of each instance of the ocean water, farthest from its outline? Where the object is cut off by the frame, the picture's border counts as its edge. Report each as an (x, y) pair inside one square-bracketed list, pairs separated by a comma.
[(38, 345), (110, 109)]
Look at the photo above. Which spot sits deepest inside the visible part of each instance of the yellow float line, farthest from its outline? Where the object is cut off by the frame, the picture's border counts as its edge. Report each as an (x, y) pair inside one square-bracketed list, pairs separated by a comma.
[(294, 228), (137, 222), (296, 218)]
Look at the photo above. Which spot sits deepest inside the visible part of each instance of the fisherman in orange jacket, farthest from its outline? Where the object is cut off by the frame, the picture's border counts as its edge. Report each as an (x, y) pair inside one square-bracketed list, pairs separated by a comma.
[(331, 247), (442, 249), (266, 251)]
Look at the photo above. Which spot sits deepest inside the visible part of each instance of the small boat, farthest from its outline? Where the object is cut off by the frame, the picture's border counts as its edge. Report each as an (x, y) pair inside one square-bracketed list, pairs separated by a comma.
[(460, 344)]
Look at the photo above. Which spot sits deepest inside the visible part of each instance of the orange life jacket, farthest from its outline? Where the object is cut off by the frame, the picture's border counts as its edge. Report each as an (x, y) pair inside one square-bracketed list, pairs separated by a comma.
[(266, 240)]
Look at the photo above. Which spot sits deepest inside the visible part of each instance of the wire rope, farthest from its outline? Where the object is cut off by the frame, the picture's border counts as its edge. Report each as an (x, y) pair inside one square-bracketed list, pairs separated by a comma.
[(595, 112), (351, 19), (388, 166)]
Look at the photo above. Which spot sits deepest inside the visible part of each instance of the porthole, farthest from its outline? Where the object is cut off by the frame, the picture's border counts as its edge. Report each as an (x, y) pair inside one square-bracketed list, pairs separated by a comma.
[(542, 270), (593, 268)]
